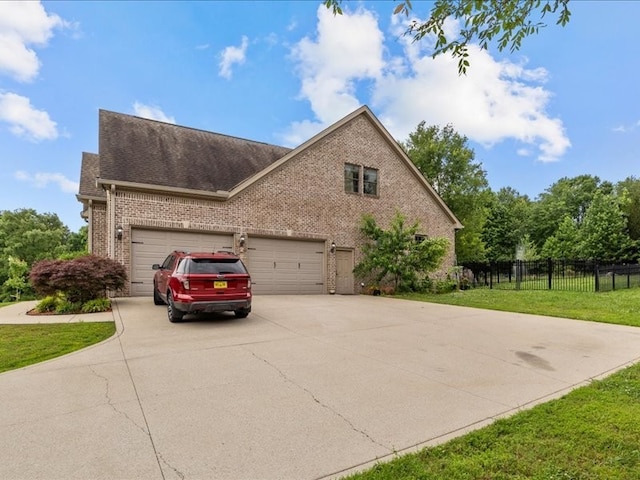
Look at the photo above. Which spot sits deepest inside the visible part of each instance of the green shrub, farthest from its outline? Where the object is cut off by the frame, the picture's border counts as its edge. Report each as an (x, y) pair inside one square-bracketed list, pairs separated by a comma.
[(97, 305), (444, 286), (47, 304), (66, 307)]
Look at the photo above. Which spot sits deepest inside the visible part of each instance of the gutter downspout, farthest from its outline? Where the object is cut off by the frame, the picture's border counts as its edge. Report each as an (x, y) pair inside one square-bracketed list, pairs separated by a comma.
[(111, 197)]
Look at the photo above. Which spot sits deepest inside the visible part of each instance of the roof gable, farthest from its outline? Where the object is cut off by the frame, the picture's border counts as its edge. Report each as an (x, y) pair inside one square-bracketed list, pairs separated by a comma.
[(366, 112)]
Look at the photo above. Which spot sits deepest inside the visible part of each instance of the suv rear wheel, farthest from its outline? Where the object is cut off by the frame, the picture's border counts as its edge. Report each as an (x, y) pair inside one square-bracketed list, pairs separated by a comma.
[(174, 314), (242, 313)]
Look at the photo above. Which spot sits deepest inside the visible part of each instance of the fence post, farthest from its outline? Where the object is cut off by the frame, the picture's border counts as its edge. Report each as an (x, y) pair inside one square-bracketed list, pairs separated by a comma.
[(613, 278), (518, 273), (596, 271), (549, 271)]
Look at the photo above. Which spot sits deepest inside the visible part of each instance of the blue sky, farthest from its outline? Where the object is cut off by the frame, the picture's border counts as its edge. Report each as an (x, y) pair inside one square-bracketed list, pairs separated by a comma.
[(566, 104)]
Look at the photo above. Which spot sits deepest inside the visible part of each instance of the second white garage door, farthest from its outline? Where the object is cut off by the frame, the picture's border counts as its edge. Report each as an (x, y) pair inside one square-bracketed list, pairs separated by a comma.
[(153, 246), (286, 267)]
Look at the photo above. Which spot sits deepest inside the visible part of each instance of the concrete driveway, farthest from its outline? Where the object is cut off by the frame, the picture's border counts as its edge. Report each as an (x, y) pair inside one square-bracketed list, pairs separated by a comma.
[(306, 387)]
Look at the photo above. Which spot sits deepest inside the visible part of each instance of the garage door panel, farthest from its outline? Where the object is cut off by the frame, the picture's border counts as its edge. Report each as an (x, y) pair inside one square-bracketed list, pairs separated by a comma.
[(283, 266), (153, 246)]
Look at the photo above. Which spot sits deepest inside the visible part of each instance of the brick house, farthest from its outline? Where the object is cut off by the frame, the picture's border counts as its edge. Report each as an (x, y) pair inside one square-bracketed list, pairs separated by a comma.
[(292, 214)]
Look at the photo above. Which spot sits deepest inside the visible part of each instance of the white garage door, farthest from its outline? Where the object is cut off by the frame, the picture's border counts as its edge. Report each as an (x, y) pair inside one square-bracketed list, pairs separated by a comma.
[(285, 266), (153, 246)]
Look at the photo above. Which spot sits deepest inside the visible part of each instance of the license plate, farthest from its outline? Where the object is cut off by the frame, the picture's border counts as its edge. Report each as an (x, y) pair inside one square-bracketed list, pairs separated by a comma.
[(219, 284)]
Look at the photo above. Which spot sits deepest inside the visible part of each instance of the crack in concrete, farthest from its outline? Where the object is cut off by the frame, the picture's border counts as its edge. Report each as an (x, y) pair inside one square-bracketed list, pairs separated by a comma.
[(112, 405), (321, 404), (175, 470)]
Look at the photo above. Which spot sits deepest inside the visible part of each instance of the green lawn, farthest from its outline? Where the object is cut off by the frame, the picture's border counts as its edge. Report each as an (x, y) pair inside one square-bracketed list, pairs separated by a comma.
[(621, 306), (22, 345), (590, 433)]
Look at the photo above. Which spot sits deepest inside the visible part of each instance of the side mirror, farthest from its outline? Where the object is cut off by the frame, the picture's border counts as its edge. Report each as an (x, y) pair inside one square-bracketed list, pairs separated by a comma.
[(155, 266)]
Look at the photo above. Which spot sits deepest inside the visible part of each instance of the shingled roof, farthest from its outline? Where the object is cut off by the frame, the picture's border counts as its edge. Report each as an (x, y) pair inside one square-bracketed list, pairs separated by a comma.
[(89, 171), (143, 151)]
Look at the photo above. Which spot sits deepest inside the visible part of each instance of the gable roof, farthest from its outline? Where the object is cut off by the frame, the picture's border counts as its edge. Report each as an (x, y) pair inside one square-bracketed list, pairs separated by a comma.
[(142, 151), (89, 172), (147, 154)]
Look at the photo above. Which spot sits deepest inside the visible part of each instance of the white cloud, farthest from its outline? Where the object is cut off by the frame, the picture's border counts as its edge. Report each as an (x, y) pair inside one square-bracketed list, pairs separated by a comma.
[(233, 56), (24, 120), (494, 102), (23, 25), (348, 48), (152, 112), (42, 180), (626, 128)]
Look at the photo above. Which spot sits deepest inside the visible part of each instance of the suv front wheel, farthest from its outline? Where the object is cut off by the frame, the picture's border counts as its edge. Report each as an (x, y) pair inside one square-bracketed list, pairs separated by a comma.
[(157, 300), (174, 314)]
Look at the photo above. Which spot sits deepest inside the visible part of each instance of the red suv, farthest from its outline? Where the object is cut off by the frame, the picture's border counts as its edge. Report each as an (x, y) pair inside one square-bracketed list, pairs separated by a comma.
[(202, 282)]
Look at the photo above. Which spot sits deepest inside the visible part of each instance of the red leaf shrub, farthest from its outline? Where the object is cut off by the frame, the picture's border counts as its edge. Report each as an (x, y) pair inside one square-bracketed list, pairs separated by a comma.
[(80, 279)]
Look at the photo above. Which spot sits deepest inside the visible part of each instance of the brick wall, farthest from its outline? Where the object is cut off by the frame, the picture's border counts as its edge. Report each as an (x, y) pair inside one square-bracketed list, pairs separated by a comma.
[(304, 198)]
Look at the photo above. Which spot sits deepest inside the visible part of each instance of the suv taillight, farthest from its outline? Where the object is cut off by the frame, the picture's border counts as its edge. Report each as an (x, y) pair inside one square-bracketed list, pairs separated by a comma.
[(185, 284)]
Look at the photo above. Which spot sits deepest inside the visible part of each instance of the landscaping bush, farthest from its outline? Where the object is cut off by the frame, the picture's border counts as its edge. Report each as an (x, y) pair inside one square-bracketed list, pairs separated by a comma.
[(65, 307), (47, 304), (97, 305), (80, 279)]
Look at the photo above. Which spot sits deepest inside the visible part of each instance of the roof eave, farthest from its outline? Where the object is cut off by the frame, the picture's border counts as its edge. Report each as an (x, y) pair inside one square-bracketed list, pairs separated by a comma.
[(219, 195)]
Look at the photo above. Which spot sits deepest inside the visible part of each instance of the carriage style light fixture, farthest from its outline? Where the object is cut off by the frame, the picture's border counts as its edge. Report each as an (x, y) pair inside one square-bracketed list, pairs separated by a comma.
[(119, 232), (333, 247), (242, 240)]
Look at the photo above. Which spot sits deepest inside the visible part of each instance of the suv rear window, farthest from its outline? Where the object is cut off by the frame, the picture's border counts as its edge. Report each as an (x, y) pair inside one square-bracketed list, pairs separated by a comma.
[(210, 265)]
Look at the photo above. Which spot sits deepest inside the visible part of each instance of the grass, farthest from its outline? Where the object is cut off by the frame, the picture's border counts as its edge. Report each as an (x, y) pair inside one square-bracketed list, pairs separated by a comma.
[(620, 306), (591, 433), (22, 345)]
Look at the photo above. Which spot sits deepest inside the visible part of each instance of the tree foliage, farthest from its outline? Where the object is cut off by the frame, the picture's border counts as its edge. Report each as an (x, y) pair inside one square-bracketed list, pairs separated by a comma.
[(28, 236), (507, 23), (395, 253), (444, 158), (567, 197), (564, 243), (603, 234)]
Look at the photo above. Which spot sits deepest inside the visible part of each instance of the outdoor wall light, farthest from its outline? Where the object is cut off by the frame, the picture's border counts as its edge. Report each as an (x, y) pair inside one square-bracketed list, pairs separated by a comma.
[(333, 247), (242, 240), (119, 232)]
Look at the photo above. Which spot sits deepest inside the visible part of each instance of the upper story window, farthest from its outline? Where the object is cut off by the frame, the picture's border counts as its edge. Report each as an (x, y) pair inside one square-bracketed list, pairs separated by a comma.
[(358, 179), (351, 178), (370, 183)]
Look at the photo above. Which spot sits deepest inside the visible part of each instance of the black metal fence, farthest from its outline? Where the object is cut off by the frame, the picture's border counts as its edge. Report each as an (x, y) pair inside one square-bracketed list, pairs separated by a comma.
[(577, 275)]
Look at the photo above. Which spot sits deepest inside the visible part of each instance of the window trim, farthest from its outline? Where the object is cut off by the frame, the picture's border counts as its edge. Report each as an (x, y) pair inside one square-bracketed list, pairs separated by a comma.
[(357, 169), (365, 183)]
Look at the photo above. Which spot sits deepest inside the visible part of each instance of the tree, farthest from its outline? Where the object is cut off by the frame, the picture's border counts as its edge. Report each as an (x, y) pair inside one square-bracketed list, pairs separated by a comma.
[(566, 197), (28, 236), (507, 23), (499, 234), (80, 279), (564, 243), (604, 234), (447, 162), (397, 254), (632, 209)]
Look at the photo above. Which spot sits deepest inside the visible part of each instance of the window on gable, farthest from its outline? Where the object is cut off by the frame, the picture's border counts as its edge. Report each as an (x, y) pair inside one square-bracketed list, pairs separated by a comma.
[(351, 178), (370, 184)]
